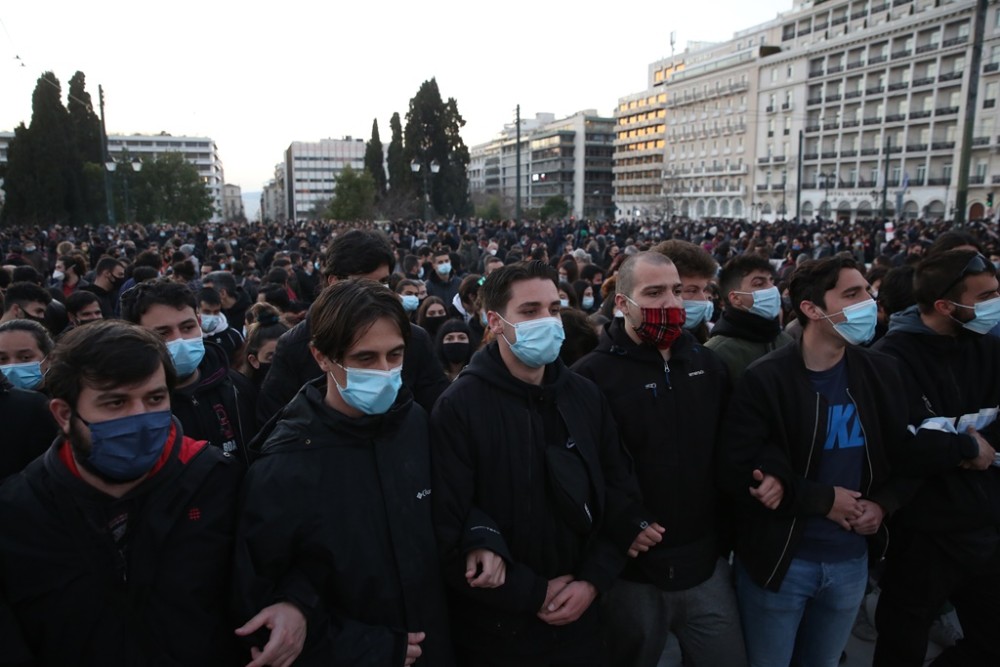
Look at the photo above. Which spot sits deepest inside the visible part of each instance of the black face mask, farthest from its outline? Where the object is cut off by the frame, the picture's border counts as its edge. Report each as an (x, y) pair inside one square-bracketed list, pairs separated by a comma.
[(432, 324), (456, 353)]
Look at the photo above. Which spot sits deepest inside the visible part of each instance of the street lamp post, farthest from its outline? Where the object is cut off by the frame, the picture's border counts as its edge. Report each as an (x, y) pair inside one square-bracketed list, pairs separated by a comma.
[(112, 165), (874, 194), (826, 187), (433, 168)]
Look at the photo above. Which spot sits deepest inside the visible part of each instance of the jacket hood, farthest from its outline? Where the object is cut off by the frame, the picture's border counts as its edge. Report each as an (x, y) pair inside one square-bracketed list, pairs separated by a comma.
[(214, 368), (908, 321), (307, 422), (615, 340), (488, 365), (741, 324)]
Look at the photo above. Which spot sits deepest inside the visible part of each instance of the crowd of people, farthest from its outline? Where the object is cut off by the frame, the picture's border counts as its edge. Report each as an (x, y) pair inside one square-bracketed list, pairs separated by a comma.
[(494, 444)]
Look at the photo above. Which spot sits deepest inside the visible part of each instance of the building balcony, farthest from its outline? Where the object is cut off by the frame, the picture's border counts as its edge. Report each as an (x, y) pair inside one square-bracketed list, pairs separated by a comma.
[(870, 151), (814, 100), (866, 183), (833, 98), (950, 76), (856, 64), (762, 187), (881, 8), (834, 69), (778, 159), (954, 41), (813, 73), (875, 90), (895, 149), (769, 109), (829, 155), (938, 181), (943, 146), (899, 85), (995, 180), (811, 156), (840, 20), (989, 104), (875, 60), (902, 53), (991, 67), (848, 153), (872, 121), (831, 126), (763, 160), (978, 179), (851, 94), (923, 81), (812, 128), (859, 15), (945, 111), (850, 123), (914, 115), (786, 106), (916, 148), (895, 118), (980, 141), (926, 47)]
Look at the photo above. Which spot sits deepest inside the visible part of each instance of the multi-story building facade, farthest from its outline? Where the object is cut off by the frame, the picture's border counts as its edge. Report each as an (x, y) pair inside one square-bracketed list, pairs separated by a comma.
[(311, 170), (569, 158), (232, 202), (272, 199)]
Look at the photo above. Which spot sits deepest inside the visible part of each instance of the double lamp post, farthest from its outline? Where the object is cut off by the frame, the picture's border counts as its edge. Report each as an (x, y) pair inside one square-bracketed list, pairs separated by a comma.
[(111, 165)]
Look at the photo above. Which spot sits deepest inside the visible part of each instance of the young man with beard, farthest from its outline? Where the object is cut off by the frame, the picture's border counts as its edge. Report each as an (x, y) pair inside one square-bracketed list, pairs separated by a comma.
[(667, 394), (946, 542), (116, 543), (25, 301), (535, 504), (212, 401)]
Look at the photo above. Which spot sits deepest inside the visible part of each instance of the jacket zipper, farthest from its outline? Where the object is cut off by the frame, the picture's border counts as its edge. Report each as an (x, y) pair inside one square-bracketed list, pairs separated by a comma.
[(791, 529), (666, 375), (868, 454)]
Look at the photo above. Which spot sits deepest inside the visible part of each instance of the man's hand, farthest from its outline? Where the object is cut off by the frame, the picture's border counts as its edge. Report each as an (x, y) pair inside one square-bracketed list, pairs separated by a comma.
[(413, 650), (485, 569), (870, 520), (846, 507), (768, 489), (288, 634), (569, 604), (650, 536), (554, 588), (986, 452)]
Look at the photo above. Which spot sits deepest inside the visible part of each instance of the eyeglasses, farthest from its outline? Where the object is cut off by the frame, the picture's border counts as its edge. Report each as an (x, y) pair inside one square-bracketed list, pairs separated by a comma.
[(977, 264)]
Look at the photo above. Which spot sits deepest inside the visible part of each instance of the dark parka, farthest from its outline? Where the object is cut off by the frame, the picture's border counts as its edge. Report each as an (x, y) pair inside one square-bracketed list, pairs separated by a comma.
[(70, 596), (777, 423), (668, 415), (491, 492), (336, 518), (28, 427)]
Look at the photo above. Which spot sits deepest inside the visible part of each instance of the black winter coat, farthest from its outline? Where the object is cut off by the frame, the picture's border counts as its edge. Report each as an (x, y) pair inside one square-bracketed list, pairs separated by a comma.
[(777, 422), (336, 518), (70, 596), (28, 427), (491, 491), (669, 416), (293, 365)]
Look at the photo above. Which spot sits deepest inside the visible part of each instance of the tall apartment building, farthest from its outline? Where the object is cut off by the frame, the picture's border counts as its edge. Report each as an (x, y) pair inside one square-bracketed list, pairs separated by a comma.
[(232, 202), (272, 199), (569, 157), (311, 170), (877, 89)]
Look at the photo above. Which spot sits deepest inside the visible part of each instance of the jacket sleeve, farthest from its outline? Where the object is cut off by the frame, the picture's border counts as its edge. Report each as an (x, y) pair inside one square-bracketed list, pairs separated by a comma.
[(280, 385), (461, 527), (748, 444), (14, 651)]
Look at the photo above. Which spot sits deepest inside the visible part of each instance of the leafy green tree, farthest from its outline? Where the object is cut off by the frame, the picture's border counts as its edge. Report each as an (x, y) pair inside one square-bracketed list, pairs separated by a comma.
[(168, 189), (375, 161), (490, 210), (353, 196), (85, 132), (399, 170), (554, 207)]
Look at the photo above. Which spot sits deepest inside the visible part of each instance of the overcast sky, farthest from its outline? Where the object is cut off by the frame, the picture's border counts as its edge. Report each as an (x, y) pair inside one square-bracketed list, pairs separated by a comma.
[(257, 76)]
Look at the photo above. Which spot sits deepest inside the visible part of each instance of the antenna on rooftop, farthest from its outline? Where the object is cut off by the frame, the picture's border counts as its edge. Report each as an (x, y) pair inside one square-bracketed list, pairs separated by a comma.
[(673, 40)]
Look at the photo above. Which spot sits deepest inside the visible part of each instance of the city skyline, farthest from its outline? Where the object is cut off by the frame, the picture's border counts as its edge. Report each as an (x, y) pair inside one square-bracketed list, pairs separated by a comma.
[(255, 84)]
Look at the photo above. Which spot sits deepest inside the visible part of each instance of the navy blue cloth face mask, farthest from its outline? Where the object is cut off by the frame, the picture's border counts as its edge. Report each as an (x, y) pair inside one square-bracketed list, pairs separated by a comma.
[(125, 449)]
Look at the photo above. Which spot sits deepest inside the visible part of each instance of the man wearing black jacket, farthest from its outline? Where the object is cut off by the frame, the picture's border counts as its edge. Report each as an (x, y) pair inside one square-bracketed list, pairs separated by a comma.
[(28, 427), (212, 401), (535, 504), (358, 254), (807, 452), (946, 542), (667, 394), (116, 544)]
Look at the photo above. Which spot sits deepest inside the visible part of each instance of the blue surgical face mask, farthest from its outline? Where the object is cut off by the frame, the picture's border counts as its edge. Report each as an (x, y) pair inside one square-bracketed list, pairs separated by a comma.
[(444, 269), (24, 376), (537, 342), (213, 324), (484, 319), (410, 302), (697, 312), (766, 302), (587, 302), (370, 391), (125, 449), (564, 303), (859, 327), (987, 316), (186, 354)]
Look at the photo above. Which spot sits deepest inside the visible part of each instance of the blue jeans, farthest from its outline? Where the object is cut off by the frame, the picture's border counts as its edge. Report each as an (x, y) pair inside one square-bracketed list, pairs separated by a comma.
[(809, 618)]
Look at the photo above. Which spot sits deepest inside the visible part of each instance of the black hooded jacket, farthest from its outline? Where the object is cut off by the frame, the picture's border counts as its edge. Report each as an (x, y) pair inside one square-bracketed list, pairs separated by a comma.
[(336, 518), (669, 416), (71, 595), (494, 489), (220, 406), (28, 427)]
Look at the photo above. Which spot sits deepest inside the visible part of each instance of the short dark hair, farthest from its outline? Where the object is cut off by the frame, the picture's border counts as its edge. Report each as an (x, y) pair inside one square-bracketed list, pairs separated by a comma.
[(106, 264), (76, 262), (942, 276), (148, 258), (495, 292), (184, 269), (357, 252), (143, 273), (40, 333), (221, 280), (690, 259), (139, 299), (276, 295), (79, 300), (27, 274), (738, 268), (210, 296), (23, 293), (92, 356), (625, 282), (345, 311), (813, 278), (896, 291), (952, 239), (590, 271)]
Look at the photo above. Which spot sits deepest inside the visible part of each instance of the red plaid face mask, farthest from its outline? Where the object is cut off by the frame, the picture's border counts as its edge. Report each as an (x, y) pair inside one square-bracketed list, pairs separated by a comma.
[(660, 326)]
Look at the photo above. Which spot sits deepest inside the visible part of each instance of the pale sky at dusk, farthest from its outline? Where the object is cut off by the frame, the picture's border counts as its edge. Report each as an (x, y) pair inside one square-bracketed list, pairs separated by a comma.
[(257, 76)]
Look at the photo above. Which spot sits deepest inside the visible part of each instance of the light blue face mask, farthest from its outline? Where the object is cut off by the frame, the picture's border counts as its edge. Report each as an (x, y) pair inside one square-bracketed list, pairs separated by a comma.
[(370, 391), (766, 302), (987, 315), (587, 302), (24, 376), (213, 324), (564, 303), (859, 327), (186, 354), (537, 342), (444, 269), (410, 302), (697, 312)]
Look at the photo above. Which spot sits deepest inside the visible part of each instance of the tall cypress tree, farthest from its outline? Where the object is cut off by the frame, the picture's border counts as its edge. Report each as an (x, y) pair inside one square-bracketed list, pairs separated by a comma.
[(399, 170), (375, 161)]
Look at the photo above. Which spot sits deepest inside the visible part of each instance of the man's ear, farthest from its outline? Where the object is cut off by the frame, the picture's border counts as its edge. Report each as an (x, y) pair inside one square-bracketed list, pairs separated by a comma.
[(810, 310), (320, 358), (62, 413), (945, 308)]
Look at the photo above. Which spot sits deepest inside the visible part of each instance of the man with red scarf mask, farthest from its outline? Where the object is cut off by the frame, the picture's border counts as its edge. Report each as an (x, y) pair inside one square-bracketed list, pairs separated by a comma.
[(667, 394)]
